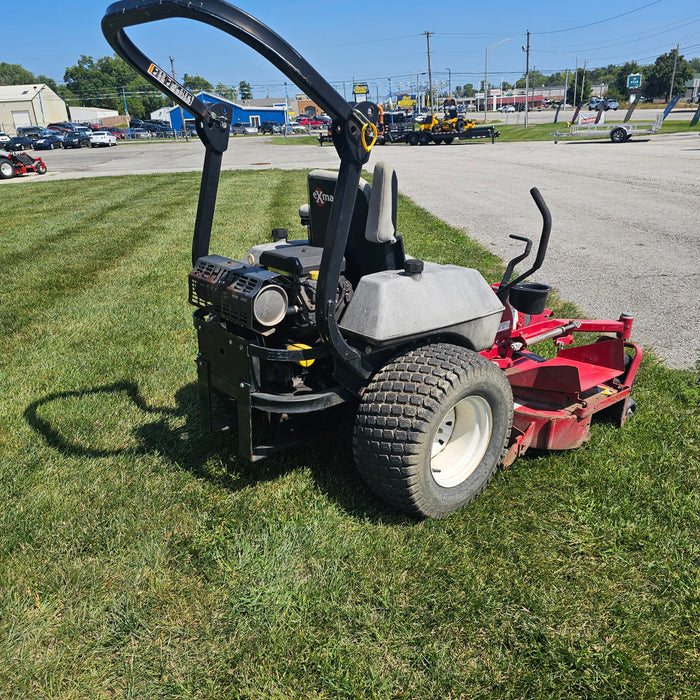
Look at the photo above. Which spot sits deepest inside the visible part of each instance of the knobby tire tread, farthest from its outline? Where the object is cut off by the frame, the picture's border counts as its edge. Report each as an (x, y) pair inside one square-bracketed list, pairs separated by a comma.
[(392, 422)]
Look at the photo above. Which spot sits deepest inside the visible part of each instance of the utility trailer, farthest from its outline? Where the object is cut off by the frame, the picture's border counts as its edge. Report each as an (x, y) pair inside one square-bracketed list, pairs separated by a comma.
[(618, 133), (423, 138)]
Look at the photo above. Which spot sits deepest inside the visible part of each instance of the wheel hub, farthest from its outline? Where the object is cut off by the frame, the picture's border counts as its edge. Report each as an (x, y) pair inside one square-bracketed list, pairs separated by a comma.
[(461, 441)]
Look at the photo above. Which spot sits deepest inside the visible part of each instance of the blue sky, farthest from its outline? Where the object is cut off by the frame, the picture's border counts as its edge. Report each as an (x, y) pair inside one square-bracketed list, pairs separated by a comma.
[(372, 41)]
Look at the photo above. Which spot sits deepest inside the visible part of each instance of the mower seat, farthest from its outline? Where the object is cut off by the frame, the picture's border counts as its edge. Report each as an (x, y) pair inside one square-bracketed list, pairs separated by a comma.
[(381, 217), (372, 245)]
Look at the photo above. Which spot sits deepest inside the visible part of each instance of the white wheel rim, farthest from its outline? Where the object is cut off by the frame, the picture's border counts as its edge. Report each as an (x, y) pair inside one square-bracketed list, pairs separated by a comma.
[(7, 169), (461, 441)]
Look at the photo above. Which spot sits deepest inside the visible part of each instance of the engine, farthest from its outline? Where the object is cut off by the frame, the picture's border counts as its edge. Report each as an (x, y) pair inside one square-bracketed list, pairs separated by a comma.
[(279, 291), (244, 295)]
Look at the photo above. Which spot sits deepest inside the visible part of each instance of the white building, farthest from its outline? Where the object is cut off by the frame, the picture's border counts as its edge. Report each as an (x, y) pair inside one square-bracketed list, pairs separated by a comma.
[(90, 115), (29, 105)]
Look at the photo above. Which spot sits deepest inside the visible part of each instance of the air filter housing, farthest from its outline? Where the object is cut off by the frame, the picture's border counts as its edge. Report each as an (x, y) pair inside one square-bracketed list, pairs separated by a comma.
[(244, 295)]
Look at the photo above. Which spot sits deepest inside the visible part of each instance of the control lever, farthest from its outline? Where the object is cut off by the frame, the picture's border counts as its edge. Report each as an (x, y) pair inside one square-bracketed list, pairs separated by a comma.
[(505, 286)]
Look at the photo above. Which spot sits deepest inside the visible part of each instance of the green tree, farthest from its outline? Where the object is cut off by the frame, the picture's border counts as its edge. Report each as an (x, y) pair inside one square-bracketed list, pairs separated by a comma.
[(228, 91), (14, 74), (468, 90), (620, 82), (106, 83), (195, 83), (245, 91), (537, 79), (658, 77), (579, 79), (49, 81)]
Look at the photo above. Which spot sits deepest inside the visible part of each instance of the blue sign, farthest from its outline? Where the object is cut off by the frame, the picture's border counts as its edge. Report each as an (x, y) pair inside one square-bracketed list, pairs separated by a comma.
[(634, 81)]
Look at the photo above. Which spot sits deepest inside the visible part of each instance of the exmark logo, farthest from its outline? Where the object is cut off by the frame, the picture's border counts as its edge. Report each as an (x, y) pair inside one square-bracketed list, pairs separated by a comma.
[(320, 197)]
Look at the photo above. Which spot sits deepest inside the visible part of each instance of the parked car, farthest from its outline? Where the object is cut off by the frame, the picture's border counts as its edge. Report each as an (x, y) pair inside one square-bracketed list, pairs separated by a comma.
[(164, 132), (311, 122), (471, 107), (241, 128), (19, 143), (60, 126), (116, 133), (102, 138), (32, 132), (596, 102), (48, 142), (296, 128), (4, 138), (140, 133), (271, 128), (508, 108), (76, 139)]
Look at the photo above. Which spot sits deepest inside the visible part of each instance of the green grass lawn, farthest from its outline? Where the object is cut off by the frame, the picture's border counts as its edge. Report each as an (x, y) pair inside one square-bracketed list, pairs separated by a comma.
[(141, 559)]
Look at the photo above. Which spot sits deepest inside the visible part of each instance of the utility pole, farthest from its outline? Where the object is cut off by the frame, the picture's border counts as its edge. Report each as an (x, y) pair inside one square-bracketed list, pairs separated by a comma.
[(583, 78), (673, 75), (126, 109), (182, 114), (527, 76), (430, 75)]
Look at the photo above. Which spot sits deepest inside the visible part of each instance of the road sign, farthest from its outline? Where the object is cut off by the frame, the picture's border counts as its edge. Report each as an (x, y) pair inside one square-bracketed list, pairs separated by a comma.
[(634, 81)]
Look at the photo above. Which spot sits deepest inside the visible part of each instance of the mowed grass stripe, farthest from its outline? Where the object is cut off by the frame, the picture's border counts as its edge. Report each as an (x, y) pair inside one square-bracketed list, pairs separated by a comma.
[(82, 241)]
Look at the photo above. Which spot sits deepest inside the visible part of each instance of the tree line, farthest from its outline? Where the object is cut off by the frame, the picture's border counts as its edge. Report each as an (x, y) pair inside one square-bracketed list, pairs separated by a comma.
[(109, 82), (656, 79)]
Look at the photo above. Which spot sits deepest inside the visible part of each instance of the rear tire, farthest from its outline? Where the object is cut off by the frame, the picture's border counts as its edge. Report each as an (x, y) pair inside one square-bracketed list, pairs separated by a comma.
[(432, 428), (413, 139), (7, 169), (424, 138)]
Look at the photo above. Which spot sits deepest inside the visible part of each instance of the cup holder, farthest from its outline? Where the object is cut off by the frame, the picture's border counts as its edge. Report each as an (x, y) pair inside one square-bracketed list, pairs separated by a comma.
[(529, 297)]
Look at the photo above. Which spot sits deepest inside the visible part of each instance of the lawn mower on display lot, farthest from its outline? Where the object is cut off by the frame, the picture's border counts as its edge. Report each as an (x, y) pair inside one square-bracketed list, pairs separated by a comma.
[(434, 360), (22, 163)]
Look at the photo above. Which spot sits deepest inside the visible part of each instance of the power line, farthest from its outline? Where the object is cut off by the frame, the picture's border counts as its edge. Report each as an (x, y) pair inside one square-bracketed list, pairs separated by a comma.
[(601, 21)]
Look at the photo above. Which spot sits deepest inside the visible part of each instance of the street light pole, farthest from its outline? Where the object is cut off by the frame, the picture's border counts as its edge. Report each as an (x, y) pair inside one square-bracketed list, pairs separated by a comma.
[(449, 80), (486, 74)]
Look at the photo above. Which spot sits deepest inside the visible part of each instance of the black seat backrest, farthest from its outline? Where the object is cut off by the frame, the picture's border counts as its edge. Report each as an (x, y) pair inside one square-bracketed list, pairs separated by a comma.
[(362, 256)]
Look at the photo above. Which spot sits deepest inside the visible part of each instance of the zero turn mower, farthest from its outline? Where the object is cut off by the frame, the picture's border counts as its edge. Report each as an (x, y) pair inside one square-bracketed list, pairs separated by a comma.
[(436, 362)]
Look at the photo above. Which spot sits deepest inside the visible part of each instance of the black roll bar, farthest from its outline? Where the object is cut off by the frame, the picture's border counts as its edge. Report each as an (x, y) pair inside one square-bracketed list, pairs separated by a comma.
[(213, 123)]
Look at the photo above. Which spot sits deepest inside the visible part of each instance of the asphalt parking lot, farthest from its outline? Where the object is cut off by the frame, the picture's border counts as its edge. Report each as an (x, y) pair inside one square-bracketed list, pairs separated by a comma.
[(625, 231)]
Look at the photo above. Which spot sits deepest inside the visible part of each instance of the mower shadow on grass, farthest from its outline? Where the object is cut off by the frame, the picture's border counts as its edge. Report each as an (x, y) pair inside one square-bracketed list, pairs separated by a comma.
[(329, 458)]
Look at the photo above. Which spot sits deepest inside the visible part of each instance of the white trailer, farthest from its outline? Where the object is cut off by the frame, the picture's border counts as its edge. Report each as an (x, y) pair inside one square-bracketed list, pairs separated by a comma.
[(618, 133)]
